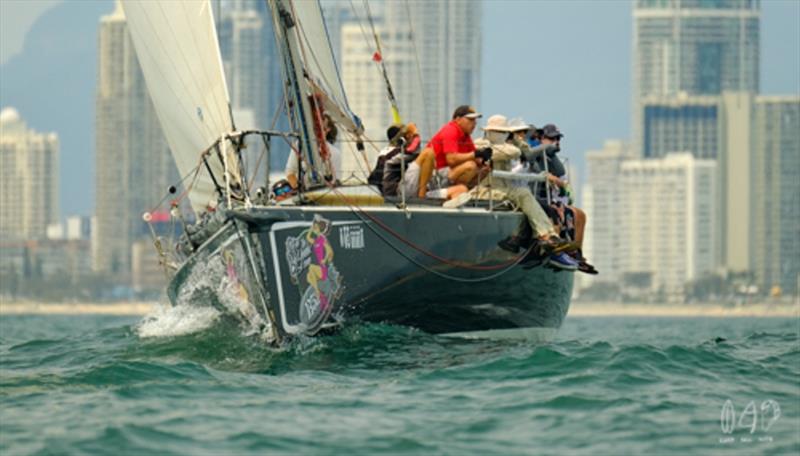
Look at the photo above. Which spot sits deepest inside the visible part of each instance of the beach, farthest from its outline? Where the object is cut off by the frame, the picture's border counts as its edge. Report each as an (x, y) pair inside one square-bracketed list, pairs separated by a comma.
[(613, 309), (783, 308), (72, 308)]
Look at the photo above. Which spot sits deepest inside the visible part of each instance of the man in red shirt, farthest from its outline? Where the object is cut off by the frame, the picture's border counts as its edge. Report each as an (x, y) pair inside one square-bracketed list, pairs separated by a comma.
[(454, 153)]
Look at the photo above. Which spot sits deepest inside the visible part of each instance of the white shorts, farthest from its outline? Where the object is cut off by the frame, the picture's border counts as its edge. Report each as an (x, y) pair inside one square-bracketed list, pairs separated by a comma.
[(441, 177), (411, 180)]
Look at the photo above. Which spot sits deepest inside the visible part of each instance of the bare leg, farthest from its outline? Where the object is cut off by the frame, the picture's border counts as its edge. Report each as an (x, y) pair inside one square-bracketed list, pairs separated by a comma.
[(292, 178), (463, 173), (426, 161), (580, 225), (313, 276)]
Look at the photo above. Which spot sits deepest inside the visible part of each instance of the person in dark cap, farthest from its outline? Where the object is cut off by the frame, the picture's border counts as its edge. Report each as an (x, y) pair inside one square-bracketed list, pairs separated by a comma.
[(395, 134), (569, 217)]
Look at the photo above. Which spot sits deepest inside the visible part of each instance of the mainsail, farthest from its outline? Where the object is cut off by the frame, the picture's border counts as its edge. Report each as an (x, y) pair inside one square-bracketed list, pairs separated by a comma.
[(176, 44), (312, 79), (317, 54)]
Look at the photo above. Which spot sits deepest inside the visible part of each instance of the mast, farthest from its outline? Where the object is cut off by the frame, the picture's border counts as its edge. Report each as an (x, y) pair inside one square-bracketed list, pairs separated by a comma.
[(312, 81), (299, 107)]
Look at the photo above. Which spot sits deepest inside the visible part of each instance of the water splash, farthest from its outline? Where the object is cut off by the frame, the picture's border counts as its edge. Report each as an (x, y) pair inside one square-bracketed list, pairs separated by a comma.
[(211, 290), (169, 321)]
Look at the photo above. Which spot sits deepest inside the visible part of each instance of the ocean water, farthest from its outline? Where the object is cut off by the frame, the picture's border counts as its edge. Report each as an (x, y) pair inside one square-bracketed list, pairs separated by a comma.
[(188, 382)]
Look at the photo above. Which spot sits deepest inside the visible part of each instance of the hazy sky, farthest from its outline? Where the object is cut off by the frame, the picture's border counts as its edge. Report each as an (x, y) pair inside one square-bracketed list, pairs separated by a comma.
[(16, 17), (567, 62)]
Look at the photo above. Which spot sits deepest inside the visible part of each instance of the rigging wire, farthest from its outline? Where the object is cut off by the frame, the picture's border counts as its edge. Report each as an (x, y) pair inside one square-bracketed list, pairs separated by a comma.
[(378, 57), (302, 41), (357, 208), (363, 32), (502, 267), (420, 79)]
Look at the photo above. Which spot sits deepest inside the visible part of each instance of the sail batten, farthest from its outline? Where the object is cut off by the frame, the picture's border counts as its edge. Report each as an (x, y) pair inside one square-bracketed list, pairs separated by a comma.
[(176, 44)]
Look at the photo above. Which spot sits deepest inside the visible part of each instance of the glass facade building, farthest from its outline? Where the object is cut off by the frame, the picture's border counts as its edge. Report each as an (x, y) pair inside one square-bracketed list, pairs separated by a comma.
[(776, 191), (692, 48), (681, 125), (696, 47)]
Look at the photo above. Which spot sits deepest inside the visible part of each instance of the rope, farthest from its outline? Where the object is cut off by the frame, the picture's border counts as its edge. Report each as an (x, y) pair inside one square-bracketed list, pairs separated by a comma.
[(508, 264), (448, 276)]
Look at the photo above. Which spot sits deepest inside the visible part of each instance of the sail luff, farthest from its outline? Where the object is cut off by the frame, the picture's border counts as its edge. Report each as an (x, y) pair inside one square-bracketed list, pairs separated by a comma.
[(179, 55)]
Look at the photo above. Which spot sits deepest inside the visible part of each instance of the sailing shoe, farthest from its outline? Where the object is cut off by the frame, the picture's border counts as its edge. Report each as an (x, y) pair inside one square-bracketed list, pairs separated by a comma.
[(563, 261), (585, 267), (511, 244)]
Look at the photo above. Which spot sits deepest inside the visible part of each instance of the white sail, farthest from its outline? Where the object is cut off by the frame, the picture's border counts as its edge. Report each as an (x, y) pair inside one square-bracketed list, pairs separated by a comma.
[(176, 44)]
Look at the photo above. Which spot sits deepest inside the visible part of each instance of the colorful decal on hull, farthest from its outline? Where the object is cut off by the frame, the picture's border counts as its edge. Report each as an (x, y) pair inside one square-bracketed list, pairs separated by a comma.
[(232, 293), (310, 259), (233, 278)]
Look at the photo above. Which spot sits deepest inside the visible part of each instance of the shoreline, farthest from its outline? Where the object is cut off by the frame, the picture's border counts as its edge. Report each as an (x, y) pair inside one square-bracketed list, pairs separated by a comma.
[(595, 309), (132, 308), (579, 309)]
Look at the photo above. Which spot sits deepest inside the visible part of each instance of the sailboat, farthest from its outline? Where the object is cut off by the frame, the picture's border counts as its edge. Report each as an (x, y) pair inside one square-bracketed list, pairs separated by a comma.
[(333, 253)]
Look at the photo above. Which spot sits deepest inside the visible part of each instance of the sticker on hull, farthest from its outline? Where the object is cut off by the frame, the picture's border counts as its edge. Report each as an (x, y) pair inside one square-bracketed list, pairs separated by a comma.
[(311, 268)]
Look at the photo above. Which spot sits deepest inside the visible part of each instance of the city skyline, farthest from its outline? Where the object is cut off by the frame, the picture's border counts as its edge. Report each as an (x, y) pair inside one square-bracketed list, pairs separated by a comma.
[(696, 79), (577, 107)]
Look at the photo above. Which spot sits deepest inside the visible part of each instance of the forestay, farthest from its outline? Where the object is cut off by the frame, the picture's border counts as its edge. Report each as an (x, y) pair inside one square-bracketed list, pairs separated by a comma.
[(178, 51)]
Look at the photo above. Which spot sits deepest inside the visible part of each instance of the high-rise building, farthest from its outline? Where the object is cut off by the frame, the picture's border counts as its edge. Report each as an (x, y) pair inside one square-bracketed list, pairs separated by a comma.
[(249, 55), (365, 86), (693, 47), (668, 221), (697, 47), (775, 214), (433, 63), (682, 123), (134, 165), (734, 167), (445, 41), (602, 200), (28, 179)]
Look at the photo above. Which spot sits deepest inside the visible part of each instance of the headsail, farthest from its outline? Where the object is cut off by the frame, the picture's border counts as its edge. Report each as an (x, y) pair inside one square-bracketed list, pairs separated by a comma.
[(177, 47)]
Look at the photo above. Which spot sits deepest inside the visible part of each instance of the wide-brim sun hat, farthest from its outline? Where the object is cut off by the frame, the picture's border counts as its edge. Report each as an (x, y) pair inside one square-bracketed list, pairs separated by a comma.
[(497, 122), (517, 124)]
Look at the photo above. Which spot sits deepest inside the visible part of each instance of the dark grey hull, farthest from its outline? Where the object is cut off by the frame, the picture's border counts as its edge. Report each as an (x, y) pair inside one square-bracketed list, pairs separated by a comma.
[(382, 265)]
